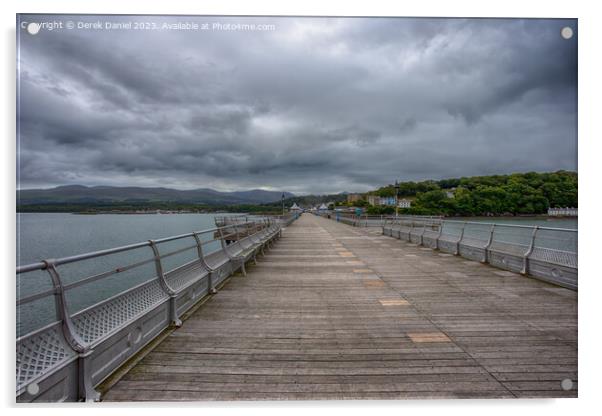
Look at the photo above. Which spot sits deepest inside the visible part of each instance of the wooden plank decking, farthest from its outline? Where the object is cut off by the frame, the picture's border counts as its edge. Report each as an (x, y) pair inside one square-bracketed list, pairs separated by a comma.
[(336, 312)]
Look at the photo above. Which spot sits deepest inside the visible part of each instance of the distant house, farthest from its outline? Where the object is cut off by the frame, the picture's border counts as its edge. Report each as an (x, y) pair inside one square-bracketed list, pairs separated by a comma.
[(323, 207), (450, 192), (404, 203), (381, 200), (562, 212), (354, 197), (373, 200), (388, 201), (295, 208)]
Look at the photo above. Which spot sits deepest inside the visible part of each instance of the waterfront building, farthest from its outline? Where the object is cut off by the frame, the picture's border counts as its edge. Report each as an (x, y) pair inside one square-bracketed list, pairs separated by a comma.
[(562, 212), (404, 203)]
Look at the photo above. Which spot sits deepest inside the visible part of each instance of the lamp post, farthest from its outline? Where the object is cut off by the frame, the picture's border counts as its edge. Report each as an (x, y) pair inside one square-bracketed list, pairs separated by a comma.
[(396, 198), (283, 204)]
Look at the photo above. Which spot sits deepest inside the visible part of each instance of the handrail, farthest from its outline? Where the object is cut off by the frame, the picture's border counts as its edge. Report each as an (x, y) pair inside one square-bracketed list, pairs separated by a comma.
[(175, 296), (512, 225), (394, 218), (101, 253), (45, 264), (549, 253)]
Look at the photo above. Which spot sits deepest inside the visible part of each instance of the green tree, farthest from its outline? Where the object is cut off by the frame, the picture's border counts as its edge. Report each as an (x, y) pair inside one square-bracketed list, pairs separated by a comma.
[(464, 202), (435, 202), (489, 200), (380, 210)]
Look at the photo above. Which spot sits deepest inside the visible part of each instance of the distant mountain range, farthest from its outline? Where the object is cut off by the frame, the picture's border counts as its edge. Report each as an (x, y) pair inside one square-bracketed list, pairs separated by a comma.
[(78, 194)]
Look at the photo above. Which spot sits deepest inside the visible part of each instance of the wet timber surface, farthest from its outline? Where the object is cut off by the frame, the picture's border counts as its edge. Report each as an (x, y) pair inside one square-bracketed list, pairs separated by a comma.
[(335, 312)]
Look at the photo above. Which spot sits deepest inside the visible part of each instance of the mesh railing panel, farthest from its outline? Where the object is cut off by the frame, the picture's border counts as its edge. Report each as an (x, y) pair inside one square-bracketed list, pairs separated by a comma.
[(41, 352), (96, 322)]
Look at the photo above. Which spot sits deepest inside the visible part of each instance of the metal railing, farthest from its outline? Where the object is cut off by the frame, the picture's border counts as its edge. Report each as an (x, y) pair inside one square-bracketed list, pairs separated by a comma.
[(284, 220), (132, 294), (365, 220), (287, 219), (546, 253)]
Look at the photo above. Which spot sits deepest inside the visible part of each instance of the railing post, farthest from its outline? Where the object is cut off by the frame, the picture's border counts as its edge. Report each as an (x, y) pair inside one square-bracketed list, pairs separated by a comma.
[(264, 226), (251, 230), (422, 235), (173, 307), (439, 235), (525, 269), (489, 242), (199, 248), (85, 386), (242, 260), (60, 304), (460, 239), (409, 232)]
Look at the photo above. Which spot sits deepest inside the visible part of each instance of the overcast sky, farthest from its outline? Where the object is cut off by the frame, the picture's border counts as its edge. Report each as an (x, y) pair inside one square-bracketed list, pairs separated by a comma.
[(317, 105)]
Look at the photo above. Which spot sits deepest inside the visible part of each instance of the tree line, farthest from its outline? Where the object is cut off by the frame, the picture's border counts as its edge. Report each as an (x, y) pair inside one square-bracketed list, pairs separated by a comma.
[(514, 194)]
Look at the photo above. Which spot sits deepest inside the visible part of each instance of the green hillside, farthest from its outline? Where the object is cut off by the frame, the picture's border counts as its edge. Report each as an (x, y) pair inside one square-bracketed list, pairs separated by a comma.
[(513, 194)]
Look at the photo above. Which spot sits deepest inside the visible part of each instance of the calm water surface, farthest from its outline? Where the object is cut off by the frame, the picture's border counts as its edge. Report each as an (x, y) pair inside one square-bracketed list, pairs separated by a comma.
[(541, 221), (45, 236)]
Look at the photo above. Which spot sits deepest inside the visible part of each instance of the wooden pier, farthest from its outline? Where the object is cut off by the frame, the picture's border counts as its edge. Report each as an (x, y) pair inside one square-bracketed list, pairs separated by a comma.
[(337, 312)]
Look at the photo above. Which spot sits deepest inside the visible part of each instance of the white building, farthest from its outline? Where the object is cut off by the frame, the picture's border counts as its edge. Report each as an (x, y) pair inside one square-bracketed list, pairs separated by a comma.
[(404, 203), (562, 212)]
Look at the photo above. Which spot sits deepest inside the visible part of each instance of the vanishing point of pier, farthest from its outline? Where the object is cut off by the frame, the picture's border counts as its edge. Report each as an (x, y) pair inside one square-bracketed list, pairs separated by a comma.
[(339, 312)]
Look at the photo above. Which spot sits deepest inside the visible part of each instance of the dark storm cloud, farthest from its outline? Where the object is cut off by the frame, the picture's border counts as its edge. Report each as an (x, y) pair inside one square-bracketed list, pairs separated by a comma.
[(318, 105)]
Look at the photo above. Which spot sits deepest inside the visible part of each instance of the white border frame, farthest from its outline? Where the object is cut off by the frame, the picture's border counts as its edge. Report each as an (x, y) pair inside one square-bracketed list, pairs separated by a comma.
[(590, 29)]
